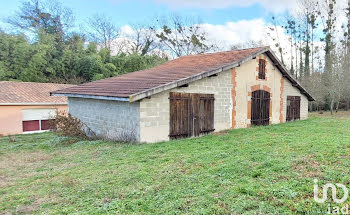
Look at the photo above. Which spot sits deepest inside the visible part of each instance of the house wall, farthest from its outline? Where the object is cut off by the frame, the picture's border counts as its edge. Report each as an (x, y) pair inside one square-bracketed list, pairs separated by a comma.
[(246, 79), (11, 117), (108, 119), (289, 90), (155, 116)]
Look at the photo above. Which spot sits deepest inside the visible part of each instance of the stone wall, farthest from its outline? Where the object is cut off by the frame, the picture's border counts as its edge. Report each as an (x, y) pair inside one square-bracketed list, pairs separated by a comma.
[(289, 90), (247, 81), (109, 119), (154, 112)]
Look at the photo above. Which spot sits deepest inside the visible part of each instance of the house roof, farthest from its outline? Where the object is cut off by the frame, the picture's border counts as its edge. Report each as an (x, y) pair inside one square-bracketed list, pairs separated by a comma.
[(30, 93), (141, 84)]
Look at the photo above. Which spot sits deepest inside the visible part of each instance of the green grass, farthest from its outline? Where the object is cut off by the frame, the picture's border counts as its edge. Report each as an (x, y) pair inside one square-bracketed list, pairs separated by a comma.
[(260, 170)]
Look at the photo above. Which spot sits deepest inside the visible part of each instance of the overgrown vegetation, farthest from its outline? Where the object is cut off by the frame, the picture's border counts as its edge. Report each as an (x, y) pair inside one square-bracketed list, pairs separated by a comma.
[(42, 61), (260, 170), (67, 125)]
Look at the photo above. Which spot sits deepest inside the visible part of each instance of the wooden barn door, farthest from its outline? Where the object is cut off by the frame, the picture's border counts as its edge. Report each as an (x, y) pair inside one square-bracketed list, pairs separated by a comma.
[(293, 108), (191, 114), (205, 122), (181, 115), (260, 108)]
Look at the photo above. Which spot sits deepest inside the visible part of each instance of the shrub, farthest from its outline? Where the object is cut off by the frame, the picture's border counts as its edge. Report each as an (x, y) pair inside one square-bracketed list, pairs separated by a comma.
[(120, 135), (70, 126), (12, 139)]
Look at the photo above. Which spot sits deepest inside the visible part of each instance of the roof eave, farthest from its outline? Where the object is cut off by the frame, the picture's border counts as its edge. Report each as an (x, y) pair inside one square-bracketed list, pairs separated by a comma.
[(286, 74), (111, 98), (34, 104)]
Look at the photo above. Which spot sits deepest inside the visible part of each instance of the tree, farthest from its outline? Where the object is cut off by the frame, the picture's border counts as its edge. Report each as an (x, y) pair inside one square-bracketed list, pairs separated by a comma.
[(277, 39), (182, 36), (88, 66), (329, 19), (142, 40), (102, 30), (36, 15), (247, 44)]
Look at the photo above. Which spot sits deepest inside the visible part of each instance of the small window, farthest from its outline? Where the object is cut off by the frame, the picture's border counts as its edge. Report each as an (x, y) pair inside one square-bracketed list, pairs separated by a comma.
[(32, 125), (36, 125), (262, 65), (45, 125)]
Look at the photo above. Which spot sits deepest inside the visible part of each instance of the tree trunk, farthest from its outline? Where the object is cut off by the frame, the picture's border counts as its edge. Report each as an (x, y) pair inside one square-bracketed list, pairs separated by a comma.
[(332, 104), (337, 107)]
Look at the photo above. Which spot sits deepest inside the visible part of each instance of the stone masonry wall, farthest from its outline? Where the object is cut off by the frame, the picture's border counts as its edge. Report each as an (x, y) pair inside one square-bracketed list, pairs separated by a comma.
[(154, 112), (289, 90), (109, 119), (247, 81)]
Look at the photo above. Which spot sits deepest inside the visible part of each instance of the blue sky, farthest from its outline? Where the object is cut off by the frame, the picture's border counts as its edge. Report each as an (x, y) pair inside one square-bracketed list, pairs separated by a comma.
[(124, 12), (227, 22)]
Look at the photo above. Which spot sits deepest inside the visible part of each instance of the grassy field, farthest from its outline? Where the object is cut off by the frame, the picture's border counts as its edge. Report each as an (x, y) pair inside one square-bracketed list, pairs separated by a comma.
[(261, 170)]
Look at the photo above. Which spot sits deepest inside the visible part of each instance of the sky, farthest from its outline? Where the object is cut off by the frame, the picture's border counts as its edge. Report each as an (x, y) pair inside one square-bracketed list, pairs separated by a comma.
[(226, 21), (129, 11)]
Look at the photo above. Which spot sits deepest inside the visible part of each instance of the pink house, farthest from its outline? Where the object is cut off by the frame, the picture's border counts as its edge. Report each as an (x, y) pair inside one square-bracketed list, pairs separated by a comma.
[(26, 107)]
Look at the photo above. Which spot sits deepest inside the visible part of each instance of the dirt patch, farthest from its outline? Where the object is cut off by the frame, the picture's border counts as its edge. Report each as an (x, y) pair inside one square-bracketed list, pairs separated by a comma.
[(328, 114), (23, 159), (307, 166), (20, 165), (221, 133)]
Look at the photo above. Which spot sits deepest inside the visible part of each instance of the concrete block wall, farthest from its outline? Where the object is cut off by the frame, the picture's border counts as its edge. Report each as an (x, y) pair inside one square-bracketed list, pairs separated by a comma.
[(108, 119), (155, 116), (289, 90)]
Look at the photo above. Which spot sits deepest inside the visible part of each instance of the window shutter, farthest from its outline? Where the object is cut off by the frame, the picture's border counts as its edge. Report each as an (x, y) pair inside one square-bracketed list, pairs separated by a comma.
[(262, 65)]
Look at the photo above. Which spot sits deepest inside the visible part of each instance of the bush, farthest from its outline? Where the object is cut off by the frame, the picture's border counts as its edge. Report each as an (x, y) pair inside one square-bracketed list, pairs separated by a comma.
[(70, 126)]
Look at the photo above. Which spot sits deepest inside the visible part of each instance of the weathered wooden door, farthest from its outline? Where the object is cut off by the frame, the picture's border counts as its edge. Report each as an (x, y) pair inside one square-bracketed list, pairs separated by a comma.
[(204, 109), (191, 114), (260, 108), (293, 108)]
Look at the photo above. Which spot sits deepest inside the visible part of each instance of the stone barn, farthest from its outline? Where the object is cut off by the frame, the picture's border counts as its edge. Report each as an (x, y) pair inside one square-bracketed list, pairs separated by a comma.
[(191, 96)]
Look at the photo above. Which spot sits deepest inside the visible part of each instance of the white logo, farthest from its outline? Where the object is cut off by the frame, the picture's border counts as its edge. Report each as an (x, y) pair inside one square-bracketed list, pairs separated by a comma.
[(334, 192)]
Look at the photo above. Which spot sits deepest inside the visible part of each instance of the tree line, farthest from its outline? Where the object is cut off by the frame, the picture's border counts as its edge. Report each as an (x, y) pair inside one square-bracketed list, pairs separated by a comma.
[(320, 50), (45, 47)]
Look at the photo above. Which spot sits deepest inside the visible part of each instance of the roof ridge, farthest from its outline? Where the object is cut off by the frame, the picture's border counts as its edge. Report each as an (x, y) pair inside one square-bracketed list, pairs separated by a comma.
[(202, 54)]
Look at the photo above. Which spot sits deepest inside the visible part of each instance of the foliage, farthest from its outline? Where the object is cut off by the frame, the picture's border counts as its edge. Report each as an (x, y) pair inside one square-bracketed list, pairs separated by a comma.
[(51, 53), (260, 170), (41, 61), (68, 125)]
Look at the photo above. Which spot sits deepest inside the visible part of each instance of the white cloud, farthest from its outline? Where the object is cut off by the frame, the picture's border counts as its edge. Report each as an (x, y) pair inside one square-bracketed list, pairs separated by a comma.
[(126, 30), (276, 6), (244, 32), (236, 32)]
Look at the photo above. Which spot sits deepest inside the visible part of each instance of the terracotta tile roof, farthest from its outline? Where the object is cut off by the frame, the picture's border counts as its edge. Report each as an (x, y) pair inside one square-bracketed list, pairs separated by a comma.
[(180, 68), (30, 92), (137, 85)]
